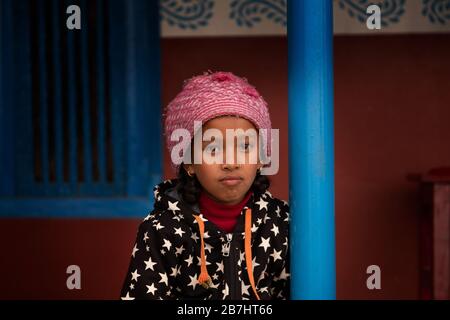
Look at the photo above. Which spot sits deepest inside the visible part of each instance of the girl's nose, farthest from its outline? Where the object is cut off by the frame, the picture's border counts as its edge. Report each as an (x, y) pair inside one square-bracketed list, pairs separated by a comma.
[(231, 166)]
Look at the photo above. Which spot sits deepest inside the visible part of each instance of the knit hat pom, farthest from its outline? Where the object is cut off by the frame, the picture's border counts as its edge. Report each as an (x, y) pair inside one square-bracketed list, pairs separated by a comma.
[(221, 76)]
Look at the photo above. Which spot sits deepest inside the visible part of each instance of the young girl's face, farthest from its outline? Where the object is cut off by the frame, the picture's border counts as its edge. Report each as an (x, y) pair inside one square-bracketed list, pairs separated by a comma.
[(227, 183)]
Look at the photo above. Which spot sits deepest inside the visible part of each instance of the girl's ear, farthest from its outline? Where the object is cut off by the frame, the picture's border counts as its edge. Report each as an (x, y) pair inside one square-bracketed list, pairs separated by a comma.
[(189, 169)]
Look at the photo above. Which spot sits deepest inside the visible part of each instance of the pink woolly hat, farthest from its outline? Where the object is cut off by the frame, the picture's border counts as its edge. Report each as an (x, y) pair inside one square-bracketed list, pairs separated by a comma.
[(212, 95)]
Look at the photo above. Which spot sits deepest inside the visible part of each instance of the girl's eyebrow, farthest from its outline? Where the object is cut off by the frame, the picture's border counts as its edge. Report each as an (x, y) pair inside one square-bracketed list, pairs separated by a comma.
[(213, 140)]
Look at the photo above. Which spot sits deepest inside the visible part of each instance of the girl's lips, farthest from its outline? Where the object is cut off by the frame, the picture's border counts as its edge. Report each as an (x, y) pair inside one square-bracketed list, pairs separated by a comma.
[(231, 181)]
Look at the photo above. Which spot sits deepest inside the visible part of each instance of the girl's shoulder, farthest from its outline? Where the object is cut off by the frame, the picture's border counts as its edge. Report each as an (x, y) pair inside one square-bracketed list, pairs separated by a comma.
[(274, 200), (275, 206)]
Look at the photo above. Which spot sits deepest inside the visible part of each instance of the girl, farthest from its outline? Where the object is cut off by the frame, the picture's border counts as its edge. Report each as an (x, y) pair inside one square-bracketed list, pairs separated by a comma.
[(215, 232)]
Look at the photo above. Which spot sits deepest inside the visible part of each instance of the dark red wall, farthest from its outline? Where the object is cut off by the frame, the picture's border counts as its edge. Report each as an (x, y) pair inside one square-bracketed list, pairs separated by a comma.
[(392, 117)]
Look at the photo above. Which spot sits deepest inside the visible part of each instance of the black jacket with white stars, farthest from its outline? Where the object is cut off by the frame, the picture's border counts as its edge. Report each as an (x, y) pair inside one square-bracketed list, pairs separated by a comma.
[(179, 254)]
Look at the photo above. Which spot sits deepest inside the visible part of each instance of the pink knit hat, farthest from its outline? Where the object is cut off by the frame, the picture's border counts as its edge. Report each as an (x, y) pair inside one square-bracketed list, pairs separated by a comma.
[(212, 95)]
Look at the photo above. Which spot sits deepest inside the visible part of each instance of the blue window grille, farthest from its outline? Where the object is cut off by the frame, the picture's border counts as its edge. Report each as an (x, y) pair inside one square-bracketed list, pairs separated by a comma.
[(79, 109)]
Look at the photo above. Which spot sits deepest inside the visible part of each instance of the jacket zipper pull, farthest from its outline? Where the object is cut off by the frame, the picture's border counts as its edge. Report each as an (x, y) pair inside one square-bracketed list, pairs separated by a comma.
[(226, 246)]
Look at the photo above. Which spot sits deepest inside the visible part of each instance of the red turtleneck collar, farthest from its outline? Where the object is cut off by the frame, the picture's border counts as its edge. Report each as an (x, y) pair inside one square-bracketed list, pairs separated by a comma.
[(222, 215)]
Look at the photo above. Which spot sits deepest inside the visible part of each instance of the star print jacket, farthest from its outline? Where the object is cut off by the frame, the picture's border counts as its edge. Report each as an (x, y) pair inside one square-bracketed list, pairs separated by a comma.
[(179, 254)]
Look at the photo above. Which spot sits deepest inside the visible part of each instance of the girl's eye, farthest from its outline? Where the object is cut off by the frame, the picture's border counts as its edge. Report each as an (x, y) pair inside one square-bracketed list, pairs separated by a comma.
[(246, 147), (212, 149)]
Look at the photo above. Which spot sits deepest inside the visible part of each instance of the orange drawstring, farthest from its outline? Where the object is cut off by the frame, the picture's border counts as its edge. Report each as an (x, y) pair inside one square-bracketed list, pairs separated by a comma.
[(204, 279), (248, 249)]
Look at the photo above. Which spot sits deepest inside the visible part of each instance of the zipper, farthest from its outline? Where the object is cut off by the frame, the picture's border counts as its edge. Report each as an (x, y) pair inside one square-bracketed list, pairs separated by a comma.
[(226, 246), (230, 272)]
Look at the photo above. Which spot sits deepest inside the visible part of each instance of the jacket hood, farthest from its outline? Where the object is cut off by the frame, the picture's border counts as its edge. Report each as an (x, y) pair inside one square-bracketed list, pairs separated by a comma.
[(168, 198)]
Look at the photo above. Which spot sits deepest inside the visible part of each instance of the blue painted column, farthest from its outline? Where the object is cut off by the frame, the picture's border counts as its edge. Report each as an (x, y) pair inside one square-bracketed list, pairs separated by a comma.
[(311, 149)]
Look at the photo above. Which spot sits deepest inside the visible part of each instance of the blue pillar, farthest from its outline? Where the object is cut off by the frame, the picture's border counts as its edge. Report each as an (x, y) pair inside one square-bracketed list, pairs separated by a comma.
[(311, 149)]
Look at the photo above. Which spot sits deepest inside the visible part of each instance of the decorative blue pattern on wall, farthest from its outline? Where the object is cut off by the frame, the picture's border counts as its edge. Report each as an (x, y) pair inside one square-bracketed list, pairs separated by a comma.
[(186, 14), (391, 10), (437, 11), (226, 17), (247, 13)]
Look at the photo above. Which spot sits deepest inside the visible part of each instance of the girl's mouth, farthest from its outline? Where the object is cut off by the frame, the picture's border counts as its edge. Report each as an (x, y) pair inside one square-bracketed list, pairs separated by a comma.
[(231, 180)]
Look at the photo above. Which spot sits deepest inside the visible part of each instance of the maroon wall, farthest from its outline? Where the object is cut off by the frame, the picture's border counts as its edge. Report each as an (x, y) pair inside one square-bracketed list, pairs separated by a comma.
[(392, 117)]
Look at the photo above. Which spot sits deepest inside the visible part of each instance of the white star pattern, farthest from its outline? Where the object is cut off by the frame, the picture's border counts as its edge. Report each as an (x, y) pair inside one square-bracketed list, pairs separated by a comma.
[(174, 272), (151, 289), (208, 247), (135, 275), (265, 243), (200, 260), (127, 297), (225, 291), (179, 250), (135, 249), (146, 236), (244, 288), (189, 260), (276, 255), (241, 256), (173, 207), (179, 232), (283, 275), (266, 217), (163, 278), (215, 286), (149, 264), (285, 242), (159, 226), (194, 236), (194, 281), (254, 264), (278, 212), (167, 244), (262, 204), (220, 266), (275, 230), (262, 275)]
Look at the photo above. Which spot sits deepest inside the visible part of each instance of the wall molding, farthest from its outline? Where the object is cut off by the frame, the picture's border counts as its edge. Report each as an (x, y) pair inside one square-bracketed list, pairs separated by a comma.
[(187, 18)]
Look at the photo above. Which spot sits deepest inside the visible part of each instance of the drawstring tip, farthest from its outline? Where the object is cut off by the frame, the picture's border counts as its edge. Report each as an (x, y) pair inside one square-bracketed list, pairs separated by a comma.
[(205, 281)]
